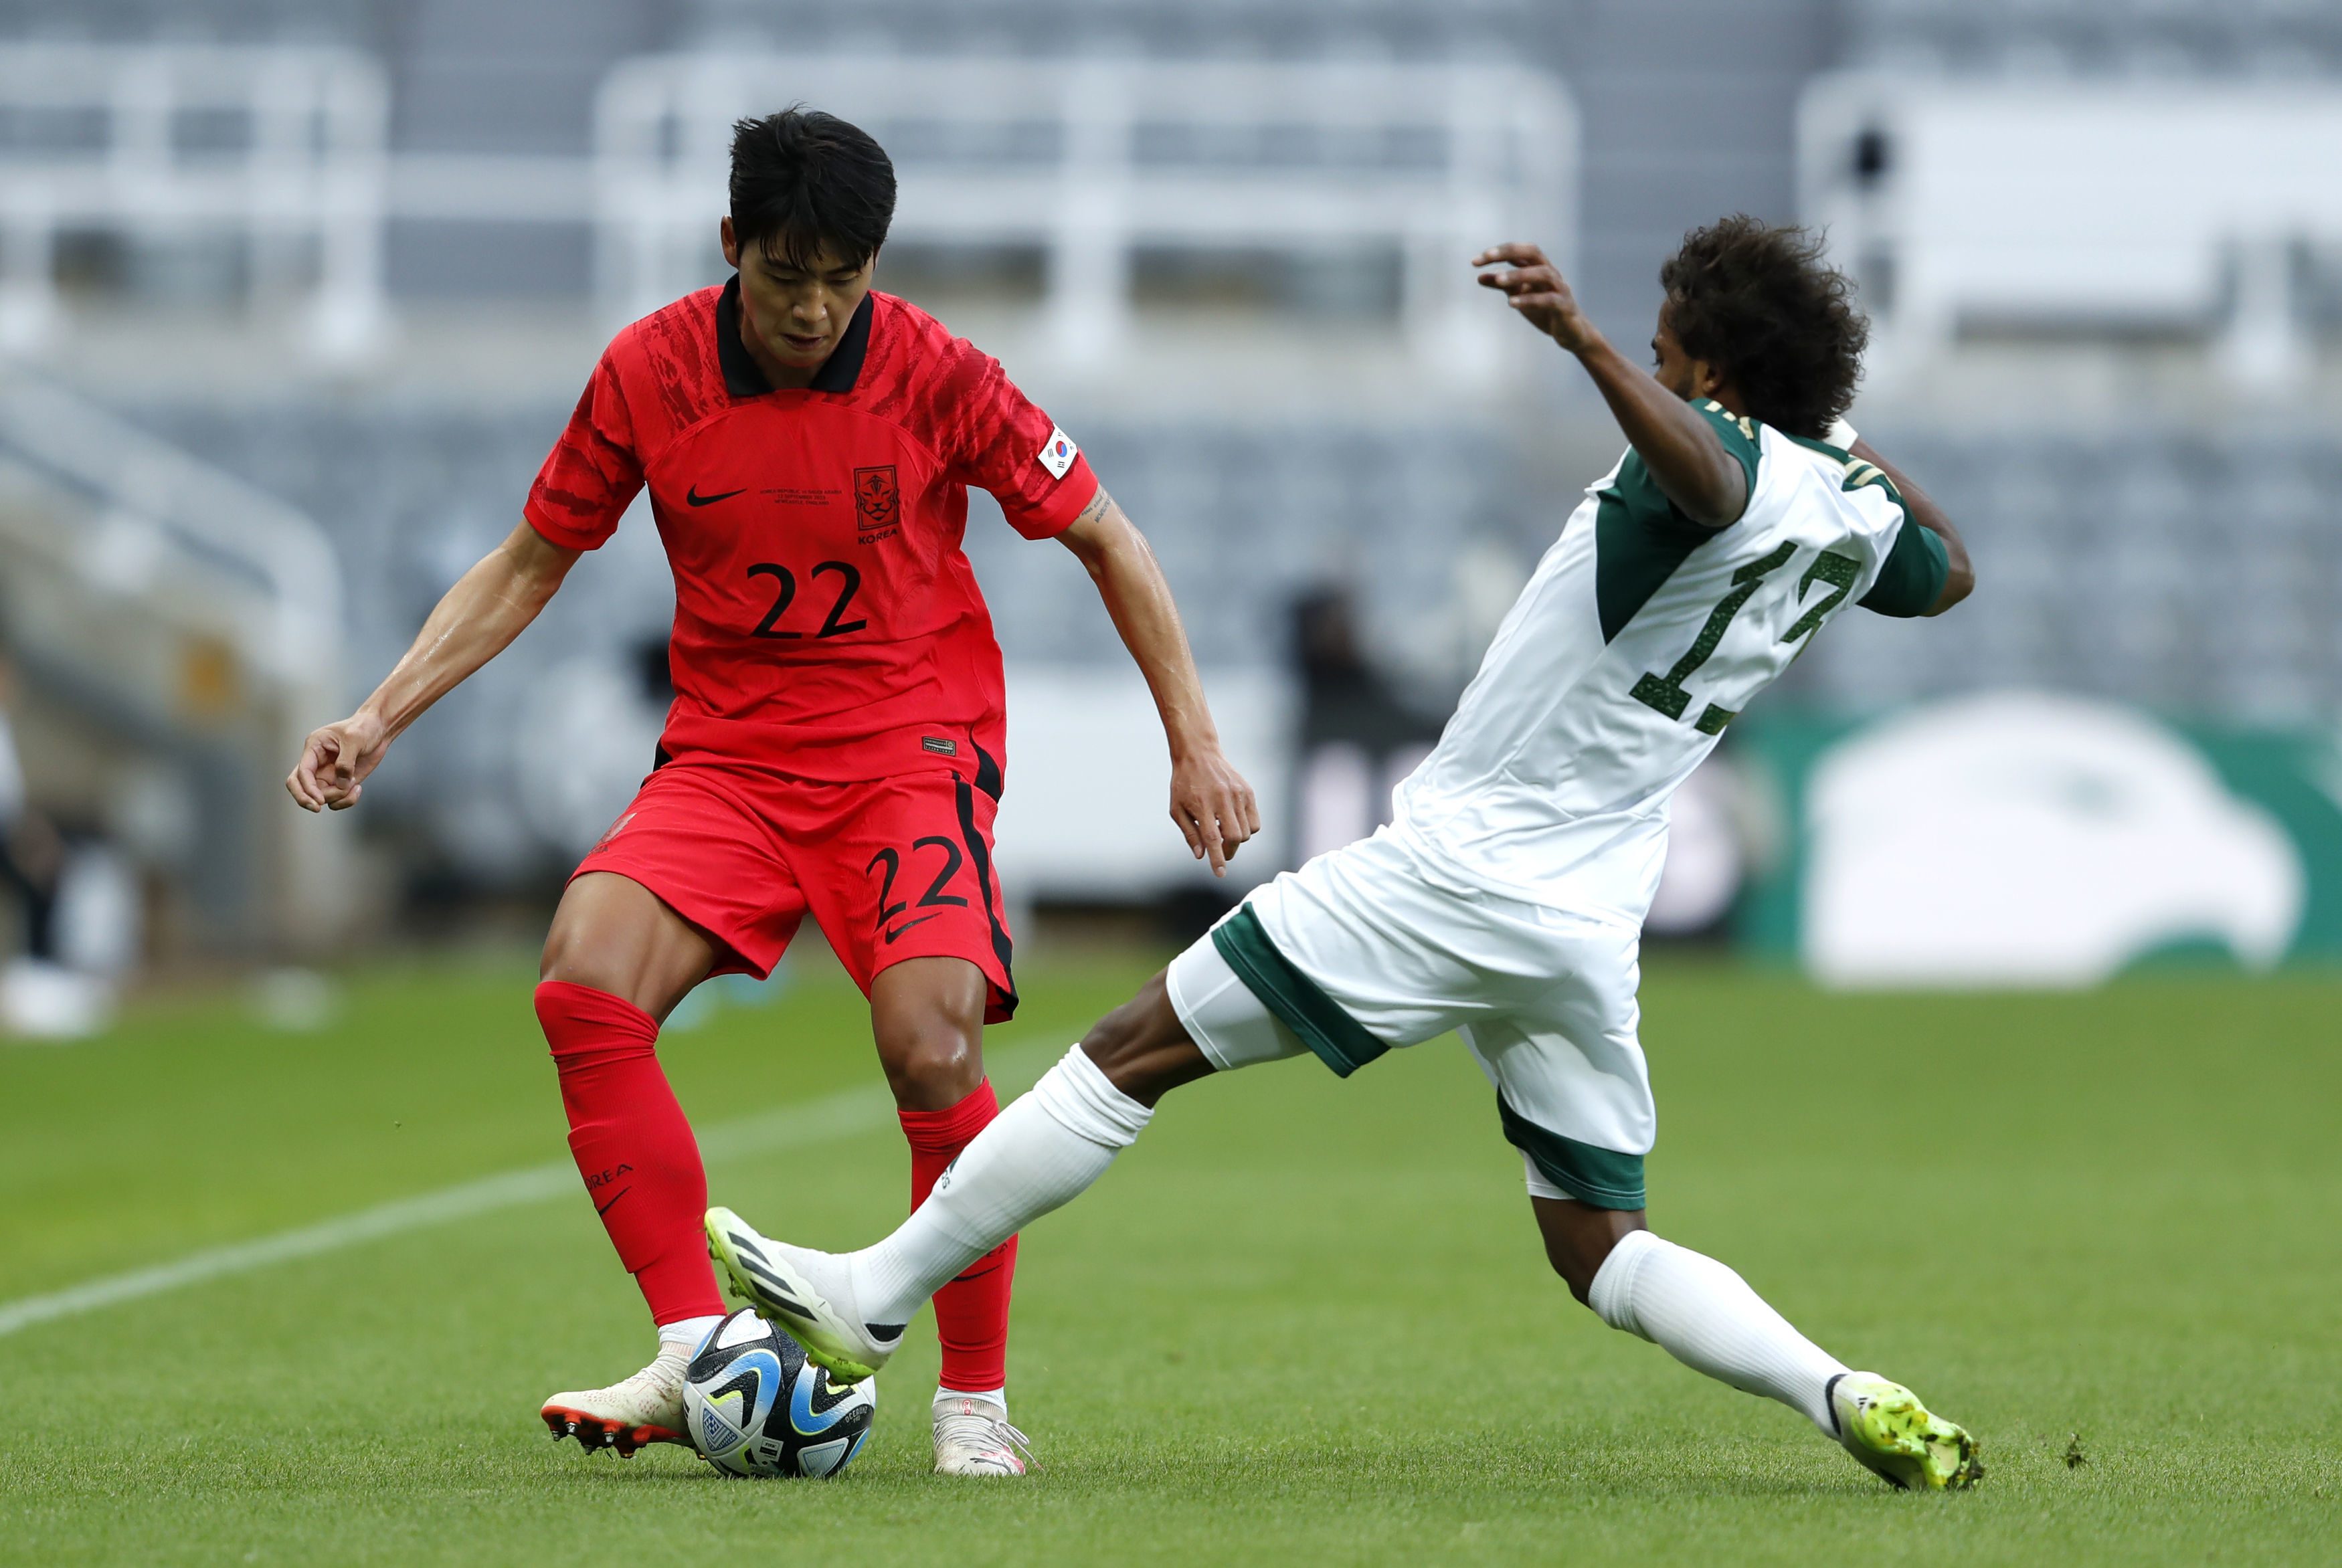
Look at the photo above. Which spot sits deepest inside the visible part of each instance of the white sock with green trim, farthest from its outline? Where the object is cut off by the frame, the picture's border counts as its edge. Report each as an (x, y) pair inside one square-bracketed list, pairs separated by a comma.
[(1040, 1154), (1706, 1316)]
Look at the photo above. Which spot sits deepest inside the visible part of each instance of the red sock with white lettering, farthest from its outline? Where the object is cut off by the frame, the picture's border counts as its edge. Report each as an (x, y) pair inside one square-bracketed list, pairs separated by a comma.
[(633, 1145), (972, 1311)]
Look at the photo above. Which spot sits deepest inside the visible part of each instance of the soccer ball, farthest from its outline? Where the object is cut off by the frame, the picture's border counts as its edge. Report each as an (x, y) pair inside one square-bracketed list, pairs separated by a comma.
[(753, 1405)]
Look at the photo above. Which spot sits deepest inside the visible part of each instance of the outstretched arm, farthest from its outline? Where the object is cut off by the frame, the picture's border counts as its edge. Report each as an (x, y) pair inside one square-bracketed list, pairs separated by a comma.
[(477, 619), (1931, 517), (1209, 799), (1686, 458)]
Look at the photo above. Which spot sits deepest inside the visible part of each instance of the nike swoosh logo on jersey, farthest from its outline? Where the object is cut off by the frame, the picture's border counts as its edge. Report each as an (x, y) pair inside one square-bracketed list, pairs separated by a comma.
[(605, 1208), (906, 926), (696, 499)]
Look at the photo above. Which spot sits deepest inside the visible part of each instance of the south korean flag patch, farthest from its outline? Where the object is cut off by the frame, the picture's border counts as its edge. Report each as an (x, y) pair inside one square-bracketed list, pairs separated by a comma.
[(1057, 454)]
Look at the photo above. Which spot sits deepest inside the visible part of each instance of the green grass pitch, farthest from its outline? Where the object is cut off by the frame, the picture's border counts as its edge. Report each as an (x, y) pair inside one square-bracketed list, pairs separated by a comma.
[(1304, 1322)]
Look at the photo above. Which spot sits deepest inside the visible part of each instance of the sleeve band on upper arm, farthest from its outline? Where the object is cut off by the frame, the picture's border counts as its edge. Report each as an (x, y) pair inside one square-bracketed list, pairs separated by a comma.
[(553, 530), (1054, 510)]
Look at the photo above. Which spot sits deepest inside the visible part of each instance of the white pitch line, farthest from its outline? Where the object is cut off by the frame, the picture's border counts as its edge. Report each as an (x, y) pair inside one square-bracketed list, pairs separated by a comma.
[(827, 1120)]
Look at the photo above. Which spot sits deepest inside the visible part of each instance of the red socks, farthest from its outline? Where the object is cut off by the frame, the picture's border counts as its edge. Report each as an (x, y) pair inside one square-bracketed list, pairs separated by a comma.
[(635, 1151), (641, 1169), (972, 1311)]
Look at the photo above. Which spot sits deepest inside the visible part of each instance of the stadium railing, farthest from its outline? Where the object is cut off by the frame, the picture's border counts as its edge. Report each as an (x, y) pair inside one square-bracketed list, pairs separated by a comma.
[(1090, 160), (1087, 162), (182, 612), (281, 146)]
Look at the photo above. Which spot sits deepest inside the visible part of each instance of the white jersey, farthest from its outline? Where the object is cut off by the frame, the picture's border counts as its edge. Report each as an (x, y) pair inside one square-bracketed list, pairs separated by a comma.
[(1641, 636)]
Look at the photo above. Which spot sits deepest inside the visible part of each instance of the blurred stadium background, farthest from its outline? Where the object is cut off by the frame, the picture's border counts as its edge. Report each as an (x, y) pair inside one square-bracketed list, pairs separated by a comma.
[(296, 294)]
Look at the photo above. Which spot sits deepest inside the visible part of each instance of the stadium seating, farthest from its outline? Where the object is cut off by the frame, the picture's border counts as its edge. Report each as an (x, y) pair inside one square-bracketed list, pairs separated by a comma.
[(2265, 38), (2188, 572), (2185, 568)]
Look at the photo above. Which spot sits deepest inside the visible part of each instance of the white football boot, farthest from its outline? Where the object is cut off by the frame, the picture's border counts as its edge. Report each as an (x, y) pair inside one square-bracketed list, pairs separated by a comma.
[(973, 1437), (1884, 1425), (644, 1409), (810, 1294)]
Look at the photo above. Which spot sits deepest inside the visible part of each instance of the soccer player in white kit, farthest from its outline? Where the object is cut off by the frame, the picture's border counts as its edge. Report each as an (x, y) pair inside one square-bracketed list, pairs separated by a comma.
[(1506, 899)]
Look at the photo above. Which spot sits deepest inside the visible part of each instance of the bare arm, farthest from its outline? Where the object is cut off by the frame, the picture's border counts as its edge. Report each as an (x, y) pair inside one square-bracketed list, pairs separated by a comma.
[(1931, 517), (1209, 799), (476, 620), (1686, 458)]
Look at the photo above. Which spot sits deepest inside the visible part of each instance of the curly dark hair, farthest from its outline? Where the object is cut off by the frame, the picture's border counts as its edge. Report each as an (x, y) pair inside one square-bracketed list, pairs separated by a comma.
[(1757, 301)]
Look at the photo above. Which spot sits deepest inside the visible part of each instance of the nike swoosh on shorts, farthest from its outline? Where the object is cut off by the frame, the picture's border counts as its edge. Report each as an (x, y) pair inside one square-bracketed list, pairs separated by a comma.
[(906, 926)]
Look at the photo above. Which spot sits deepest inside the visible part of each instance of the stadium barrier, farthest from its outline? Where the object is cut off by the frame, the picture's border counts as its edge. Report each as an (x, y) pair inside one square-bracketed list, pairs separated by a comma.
[(2142, 205), (1090, 160)]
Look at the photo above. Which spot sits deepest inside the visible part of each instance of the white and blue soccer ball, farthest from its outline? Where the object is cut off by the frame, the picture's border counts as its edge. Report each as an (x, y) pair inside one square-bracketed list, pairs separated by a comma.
[(754, 1406)]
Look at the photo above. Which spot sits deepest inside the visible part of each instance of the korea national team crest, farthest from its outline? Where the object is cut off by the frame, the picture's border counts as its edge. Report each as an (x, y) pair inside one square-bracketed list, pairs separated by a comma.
[(877, 503)]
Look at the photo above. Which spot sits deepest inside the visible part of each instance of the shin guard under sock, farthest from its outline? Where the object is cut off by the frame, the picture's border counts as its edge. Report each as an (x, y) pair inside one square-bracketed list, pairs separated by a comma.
[(633, 1145), (972, 1311)]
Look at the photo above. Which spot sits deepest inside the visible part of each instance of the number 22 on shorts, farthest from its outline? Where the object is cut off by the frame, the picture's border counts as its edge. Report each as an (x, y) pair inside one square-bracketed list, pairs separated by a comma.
[(934, 896)]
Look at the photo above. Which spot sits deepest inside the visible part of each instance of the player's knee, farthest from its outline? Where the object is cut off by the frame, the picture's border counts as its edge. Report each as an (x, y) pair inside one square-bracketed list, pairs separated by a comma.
[(932, 1063)]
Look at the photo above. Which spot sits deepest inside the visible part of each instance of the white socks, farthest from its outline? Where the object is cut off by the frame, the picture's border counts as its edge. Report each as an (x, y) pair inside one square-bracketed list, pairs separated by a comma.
[(1040, 1154), (998, 1396), (686, 1334), (1706, 1316)]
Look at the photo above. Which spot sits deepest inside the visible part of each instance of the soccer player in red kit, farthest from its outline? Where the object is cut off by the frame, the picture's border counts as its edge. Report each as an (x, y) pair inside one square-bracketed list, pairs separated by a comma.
[(835, 746)]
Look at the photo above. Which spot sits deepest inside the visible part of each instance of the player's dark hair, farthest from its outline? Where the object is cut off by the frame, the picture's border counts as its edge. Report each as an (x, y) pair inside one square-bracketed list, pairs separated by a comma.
[(1758, 302), (803, 181)]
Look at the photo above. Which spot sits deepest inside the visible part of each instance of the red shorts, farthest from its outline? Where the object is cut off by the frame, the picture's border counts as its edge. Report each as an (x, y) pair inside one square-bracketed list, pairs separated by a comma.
[(890, 868)]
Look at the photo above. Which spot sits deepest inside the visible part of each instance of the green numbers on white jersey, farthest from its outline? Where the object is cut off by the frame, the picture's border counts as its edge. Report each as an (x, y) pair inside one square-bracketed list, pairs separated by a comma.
[(1635, 645), (1665, 692), (1839, 572)]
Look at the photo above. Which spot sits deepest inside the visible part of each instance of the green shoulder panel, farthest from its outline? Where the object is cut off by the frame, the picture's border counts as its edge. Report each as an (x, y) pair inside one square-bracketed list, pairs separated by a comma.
[(1740, 437), (1640, 536)]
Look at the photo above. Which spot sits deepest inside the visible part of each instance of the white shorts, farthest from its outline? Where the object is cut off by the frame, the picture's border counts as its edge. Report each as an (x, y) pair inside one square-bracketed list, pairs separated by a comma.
[(1367, 948)]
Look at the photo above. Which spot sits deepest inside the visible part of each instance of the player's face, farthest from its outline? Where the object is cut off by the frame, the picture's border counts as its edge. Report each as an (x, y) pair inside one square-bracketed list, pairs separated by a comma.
[(797, 314), (1675, 370)]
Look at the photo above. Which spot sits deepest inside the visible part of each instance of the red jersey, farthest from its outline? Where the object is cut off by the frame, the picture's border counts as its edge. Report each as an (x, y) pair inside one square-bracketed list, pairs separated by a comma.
[(828, 624)]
